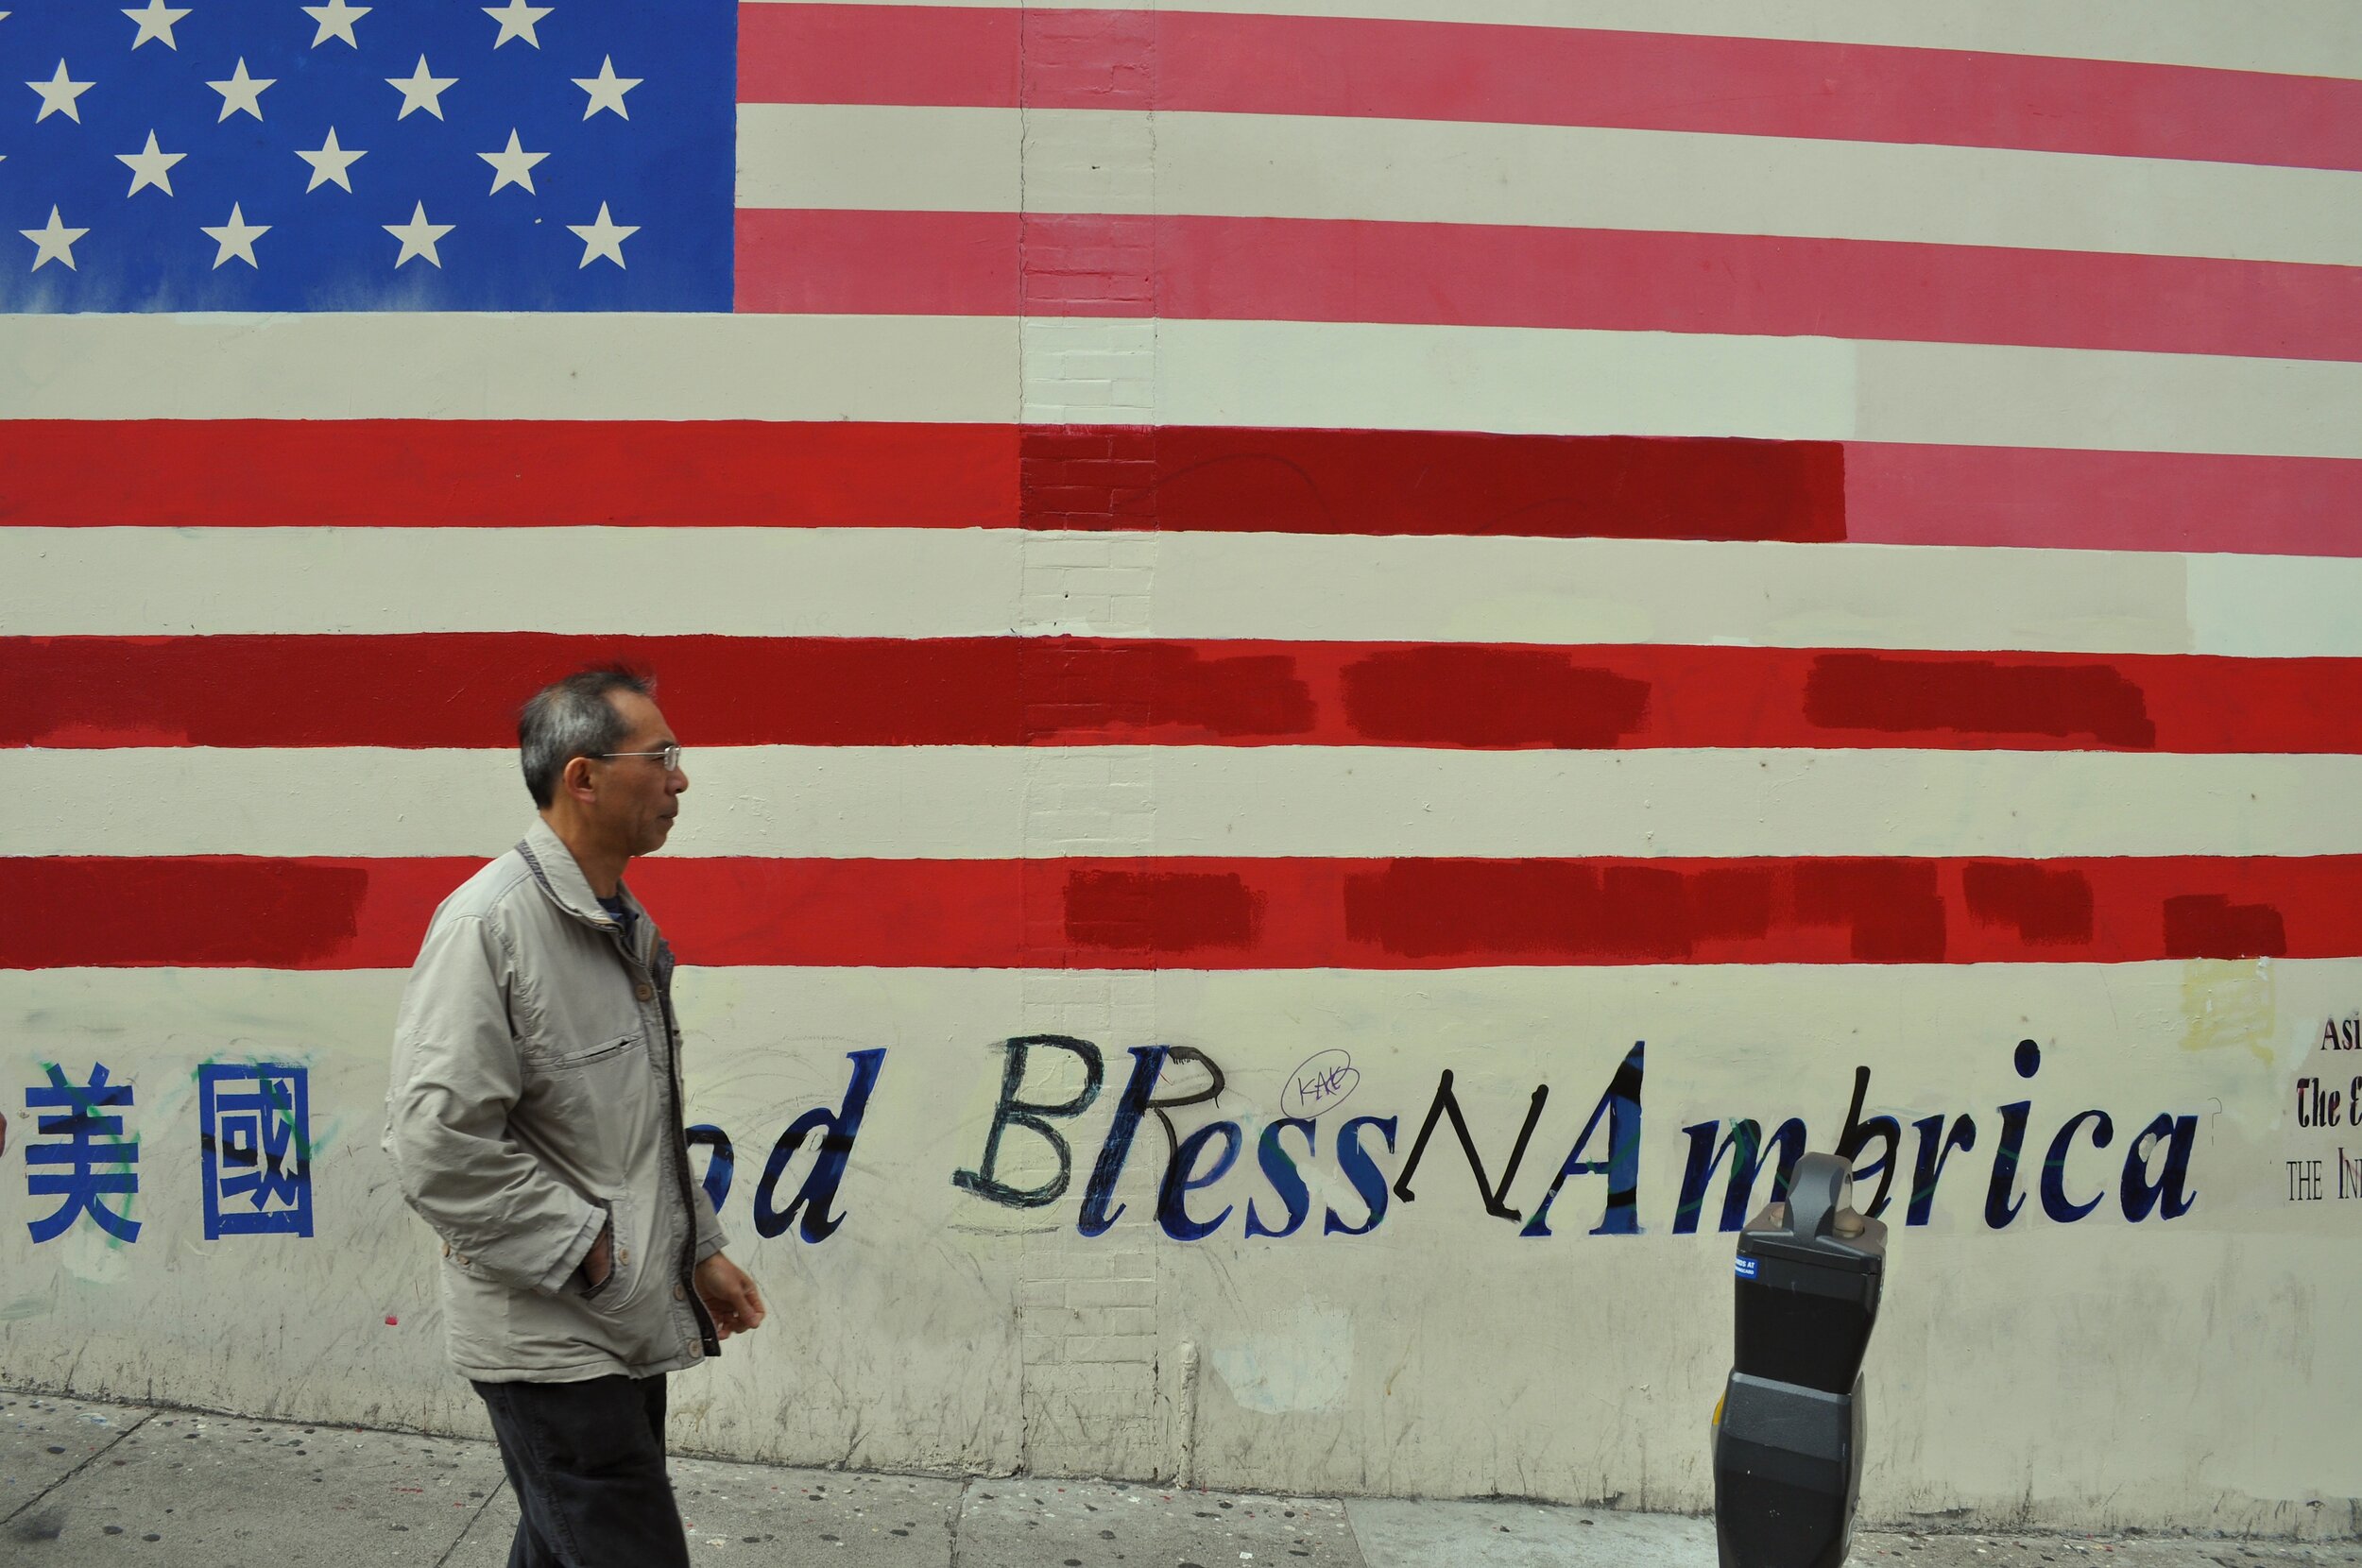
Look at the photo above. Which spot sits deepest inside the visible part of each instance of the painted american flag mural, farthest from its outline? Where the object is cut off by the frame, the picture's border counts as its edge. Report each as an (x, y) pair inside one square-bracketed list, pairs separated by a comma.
[(1471, 534)]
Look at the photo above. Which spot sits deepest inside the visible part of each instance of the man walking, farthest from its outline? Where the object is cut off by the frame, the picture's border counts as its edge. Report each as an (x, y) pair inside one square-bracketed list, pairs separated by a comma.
[(535, 1120)]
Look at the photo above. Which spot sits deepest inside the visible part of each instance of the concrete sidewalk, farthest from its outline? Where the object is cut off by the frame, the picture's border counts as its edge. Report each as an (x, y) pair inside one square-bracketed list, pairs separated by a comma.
[(85, 1483)]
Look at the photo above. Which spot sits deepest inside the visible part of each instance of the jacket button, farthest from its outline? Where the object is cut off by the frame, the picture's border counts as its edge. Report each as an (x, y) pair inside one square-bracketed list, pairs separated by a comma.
[(679, 1294), (645, 992)]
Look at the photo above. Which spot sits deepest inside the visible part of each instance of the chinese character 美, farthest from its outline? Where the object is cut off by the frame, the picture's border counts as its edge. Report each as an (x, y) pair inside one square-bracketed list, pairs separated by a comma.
[(75, 1132), (254, 1127)]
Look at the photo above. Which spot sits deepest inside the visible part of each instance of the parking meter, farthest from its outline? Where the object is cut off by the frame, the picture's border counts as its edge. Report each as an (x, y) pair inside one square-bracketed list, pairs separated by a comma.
[(1788, 1436)]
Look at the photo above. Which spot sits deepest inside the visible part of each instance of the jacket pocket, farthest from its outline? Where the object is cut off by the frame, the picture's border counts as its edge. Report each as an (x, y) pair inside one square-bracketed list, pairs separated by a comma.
[(597, 1053), (624, 1259)]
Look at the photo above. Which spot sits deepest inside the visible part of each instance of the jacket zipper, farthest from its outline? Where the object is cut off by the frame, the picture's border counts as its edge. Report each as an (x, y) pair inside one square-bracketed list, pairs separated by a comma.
[(685, 1266)]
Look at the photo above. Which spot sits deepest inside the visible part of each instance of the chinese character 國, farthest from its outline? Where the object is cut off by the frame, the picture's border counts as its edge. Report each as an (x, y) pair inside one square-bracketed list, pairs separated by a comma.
[(254, 1129)]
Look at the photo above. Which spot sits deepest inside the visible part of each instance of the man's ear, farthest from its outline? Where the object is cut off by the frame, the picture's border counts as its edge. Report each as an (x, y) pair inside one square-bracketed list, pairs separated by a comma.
[(575, 780)]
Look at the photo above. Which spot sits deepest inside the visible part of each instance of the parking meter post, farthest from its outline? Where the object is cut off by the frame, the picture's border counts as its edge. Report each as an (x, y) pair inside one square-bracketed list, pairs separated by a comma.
[(1788, 1436)]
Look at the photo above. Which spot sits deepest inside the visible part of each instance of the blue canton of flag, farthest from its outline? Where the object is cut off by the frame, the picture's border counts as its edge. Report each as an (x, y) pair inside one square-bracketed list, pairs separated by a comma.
[(254, 1125), (72, 1139), (265, 154)]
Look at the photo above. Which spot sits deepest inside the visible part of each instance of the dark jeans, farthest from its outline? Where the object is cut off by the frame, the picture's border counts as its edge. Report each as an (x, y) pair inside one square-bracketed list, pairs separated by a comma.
[(587, 1462)]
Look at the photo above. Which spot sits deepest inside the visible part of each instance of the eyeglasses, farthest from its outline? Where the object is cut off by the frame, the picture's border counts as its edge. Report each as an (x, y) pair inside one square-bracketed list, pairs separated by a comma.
[(670, 754)]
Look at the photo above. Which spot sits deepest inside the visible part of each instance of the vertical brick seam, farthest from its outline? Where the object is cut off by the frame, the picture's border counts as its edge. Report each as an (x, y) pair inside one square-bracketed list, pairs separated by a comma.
[(1086, 1312)]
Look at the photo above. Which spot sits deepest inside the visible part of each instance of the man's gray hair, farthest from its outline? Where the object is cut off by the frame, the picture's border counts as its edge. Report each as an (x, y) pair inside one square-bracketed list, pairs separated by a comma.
[(574, 718)]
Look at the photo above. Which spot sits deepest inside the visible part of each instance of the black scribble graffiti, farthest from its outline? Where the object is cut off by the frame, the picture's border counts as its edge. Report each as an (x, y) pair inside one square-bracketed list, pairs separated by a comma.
[(984, 1180), (1446, 1104)]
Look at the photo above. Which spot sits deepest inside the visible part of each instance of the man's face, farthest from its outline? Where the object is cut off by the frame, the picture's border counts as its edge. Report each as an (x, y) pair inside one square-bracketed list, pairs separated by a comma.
[(638, 797)]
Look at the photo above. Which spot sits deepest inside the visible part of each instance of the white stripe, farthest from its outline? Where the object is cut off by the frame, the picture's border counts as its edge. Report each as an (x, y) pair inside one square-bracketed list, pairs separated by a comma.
[(961, 802), (1295, 374), (547, 366), (1430, 170), (1332, 376), (1280, 374), (882, 582), (1649, 591), (2297, 37), (889, 157), (821, 582), (2239, 605)]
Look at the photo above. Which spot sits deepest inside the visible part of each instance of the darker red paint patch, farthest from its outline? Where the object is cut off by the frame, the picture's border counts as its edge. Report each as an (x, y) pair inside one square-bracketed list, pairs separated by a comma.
[(1900, 694), (1087, 476), (1160, 911), (1078, 688), (1223, 480), (2045, 906), (464, 688), (197, 911), (1464, 695), (1543, 910), (2209, 925), (1894, 908)]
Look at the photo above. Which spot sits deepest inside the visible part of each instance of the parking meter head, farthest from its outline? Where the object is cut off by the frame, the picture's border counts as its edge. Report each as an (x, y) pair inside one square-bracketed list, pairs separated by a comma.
[(1809, 1273)]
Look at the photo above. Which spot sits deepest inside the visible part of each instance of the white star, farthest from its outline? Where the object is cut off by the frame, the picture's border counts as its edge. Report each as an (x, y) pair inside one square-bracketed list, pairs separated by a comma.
[(513, 166), (517, 20), (336, 19), (421, 90), (156, 23), (607, 90), (417, 236), (54, 244), (241, 93), (58, 95), (330, 162), (603, 238), (150, 167), (236, 238)]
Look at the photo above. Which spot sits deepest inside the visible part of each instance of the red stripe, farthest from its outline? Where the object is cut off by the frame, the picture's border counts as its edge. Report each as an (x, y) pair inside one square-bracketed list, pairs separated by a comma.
[(1356, 66), (461, 691), (827, 262), (2047, 497), (1231, 914), (1215, 479), (1476, 274), (405, 473), (233, 474), (952, 55), (411, 474)]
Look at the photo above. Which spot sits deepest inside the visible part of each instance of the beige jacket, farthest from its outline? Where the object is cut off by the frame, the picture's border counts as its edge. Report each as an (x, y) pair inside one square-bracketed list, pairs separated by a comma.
[(536, 1096)]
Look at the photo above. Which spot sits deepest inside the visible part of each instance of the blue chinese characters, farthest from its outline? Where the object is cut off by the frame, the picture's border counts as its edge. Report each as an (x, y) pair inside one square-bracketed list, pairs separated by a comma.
[(254, 1129), (79, 1154)]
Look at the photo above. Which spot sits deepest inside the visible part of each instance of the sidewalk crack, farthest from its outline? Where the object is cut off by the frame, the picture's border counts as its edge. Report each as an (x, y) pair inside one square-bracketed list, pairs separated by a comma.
[(1353, 1533), (469, 1528), (959, 1513), (35, 1500)]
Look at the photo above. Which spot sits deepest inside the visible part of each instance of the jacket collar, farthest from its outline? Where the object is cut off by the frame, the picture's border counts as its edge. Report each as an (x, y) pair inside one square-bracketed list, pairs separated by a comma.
[(553, 866)]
